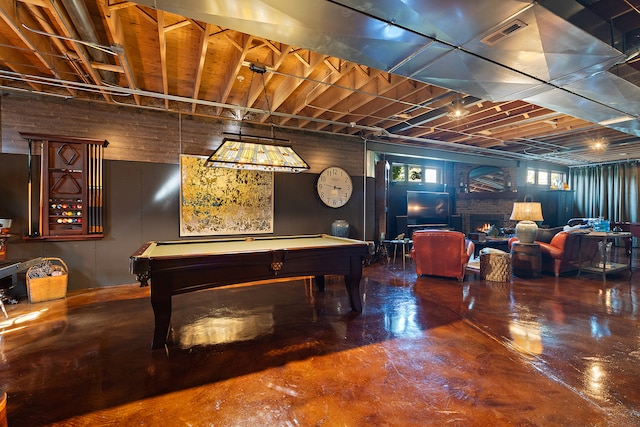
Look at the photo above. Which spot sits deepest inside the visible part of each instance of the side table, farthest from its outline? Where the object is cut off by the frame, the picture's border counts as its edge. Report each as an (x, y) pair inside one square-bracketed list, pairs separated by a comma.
[(526, 259), (405, 245), (605, 265)]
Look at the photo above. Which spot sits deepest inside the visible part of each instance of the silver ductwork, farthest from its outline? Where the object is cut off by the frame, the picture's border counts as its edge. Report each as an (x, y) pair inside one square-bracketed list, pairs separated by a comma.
[(81, 19), (497, 50)]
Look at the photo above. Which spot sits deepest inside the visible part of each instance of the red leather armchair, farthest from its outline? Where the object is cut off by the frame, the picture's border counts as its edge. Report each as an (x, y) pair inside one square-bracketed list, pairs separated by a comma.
[(441, 253)]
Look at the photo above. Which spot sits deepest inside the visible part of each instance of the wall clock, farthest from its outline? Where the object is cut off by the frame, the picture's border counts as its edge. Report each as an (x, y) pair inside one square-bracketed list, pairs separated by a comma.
[(334, 187)]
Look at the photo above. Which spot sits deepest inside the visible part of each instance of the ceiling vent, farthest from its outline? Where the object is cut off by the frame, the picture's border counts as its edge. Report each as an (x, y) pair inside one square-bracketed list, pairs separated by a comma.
[(504, 31)]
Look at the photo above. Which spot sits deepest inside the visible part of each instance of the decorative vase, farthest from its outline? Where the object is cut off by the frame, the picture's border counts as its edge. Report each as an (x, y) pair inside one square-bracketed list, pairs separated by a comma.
[(526, 231), (605, 254), (340, 228)]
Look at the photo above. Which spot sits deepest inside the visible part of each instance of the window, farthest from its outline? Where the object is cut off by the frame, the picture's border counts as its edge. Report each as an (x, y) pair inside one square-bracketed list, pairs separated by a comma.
[(543, 177), (546, 178), (398, 172), (415, 173), (431, 175), (531, 176), (557, 180)]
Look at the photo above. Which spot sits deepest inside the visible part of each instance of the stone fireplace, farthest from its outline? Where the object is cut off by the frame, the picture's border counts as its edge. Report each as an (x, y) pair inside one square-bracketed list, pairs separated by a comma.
[(484, 221)]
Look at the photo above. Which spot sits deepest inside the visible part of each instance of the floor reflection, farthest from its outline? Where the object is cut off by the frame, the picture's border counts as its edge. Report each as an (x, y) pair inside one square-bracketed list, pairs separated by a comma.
[(220, 328), (526, 337), (466, 353)]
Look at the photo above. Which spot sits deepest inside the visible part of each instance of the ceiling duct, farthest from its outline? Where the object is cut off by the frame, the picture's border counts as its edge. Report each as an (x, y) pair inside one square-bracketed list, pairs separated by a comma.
[(77, 11)]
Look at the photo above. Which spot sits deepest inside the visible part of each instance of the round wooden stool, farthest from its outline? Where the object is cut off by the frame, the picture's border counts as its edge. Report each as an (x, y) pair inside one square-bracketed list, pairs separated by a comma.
[(526, 259)]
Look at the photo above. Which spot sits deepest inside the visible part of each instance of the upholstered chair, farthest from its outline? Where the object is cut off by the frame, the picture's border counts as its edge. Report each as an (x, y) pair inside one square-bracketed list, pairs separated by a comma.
[(441, 253)]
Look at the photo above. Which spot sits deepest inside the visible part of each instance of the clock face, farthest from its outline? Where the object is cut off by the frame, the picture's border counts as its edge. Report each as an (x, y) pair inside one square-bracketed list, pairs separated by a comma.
[(334, 187)]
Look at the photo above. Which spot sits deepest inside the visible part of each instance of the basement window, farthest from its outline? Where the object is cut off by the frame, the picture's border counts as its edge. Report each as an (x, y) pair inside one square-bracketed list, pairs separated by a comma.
[(543, 177), (398, 173), (401, 172), (546, 178), (415, 174)]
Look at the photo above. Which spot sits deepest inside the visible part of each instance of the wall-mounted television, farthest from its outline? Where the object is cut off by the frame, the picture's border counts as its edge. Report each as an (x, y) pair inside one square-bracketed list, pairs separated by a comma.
[(427, 208)]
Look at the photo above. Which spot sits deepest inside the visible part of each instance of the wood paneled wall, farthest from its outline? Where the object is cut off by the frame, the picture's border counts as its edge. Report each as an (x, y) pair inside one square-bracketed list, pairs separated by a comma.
[(158, 137)]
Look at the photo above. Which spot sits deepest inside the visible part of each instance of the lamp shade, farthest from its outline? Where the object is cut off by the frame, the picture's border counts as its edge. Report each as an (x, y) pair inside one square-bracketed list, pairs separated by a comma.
[(239, 153), (526, 213), (529, 211)]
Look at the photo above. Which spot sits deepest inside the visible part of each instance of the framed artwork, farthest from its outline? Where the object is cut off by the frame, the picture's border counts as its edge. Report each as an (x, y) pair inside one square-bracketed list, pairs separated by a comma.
[(220, 201)]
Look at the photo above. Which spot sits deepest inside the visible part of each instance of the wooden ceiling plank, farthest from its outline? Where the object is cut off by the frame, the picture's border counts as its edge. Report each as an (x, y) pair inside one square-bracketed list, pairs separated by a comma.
[(233, 42), (162, 39), (359, 97), (366, 112), (117, 5), (116, 34), (146, 15), (204, 46), (320, 89), (285, 95), (107, 67), (278, 57), (37, 46), (306, 61), (61, 18), (177, 25), (234, 66)]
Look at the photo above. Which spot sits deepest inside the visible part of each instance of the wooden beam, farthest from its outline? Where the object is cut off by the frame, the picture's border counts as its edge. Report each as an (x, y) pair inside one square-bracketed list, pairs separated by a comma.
[(204, 45), (163, 55), (114, 24)]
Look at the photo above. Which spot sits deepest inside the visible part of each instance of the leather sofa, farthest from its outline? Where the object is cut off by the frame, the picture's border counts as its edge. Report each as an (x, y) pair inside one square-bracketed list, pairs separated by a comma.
[(564, 251), (441, 253)]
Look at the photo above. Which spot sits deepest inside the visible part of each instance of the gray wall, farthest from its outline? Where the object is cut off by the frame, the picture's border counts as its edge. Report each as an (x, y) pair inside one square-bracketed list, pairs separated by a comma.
[(141, 158), (134, 215)]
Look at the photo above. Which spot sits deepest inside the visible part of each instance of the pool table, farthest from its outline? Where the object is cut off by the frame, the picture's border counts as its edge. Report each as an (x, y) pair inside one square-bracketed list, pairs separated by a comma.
[(176, 267)]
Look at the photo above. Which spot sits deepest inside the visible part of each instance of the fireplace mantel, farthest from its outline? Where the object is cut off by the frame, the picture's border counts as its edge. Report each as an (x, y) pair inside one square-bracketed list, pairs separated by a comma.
[(499, 195)]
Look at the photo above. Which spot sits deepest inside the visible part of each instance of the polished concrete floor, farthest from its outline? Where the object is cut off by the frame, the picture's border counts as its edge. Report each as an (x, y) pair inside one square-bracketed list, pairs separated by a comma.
[(424, 352)]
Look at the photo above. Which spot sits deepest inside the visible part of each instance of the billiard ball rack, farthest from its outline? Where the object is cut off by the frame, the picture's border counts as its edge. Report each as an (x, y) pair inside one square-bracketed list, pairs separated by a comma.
[(70, 187)]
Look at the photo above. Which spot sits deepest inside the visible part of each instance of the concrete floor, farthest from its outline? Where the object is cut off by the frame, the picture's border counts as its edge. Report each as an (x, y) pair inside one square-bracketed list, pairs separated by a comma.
[(425, 352)]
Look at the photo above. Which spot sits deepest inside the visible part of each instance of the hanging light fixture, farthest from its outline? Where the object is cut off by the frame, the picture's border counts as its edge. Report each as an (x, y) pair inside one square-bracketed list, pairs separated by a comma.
[(458, 110), (256, 153), (239, 151)]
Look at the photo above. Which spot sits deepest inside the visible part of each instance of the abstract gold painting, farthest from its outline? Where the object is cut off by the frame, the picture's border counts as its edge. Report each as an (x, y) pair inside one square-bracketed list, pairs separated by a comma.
[(222, 201)]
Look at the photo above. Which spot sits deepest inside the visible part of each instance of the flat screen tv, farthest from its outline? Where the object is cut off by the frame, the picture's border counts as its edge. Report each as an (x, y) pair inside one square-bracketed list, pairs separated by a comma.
[(427, 208)]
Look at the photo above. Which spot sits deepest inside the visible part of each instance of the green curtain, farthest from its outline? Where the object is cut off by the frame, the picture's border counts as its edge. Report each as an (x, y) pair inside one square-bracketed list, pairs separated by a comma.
[(609, 191)]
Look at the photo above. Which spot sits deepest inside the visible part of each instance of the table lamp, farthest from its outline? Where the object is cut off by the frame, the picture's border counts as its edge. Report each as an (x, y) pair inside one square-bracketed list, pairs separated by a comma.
[(526, 213)]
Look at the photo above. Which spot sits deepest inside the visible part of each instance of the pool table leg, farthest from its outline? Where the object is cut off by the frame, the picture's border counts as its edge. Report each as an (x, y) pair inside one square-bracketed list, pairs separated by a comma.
[(161, 304), (352, 281)]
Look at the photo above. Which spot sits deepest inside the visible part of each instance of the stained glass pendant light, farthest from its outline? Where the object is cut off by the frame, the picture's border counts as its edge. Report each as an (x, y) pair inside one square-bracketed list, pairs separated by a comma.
[(239, 151), (256, 153)]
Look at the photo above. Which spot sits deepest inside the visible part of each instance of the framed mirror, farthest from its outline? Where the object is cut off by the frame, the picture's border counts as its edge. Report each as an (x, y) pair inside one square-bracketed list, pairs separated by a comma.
[(486, 179)]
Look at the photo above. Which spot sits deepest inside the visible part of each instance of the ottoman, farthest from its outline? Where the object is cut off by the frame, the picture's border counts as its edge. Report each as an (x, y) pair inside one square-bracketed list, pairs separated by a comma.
[(495, 266)]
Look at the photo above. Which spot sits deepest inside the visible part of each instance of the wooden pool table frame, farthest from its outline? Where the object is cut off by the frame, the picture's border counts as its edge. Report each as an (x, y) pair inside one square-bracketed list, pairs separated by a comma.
[(181, 269)]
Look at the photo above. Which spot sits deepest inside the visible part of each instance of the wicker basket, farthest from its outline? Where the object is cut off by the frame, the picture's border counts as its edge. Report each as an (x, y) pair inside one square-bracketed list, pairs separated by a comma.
[(49, 287)]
